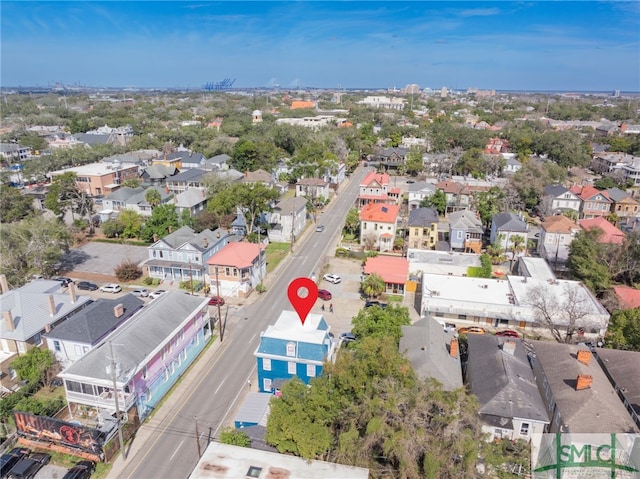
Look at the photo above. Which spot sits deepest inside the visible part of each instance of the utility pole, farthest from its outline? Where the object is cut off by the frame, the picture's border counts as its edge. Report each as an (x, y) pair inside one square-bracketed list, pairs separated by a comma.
[(190, 278), (115, 397), (195, 418), (292, 227), (219, 314)]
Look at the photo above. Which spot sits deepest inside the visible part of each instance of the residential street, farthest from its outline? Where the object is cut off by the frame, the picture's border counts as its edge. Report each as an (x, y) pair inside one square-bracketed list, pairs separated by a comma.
[(165, 446)]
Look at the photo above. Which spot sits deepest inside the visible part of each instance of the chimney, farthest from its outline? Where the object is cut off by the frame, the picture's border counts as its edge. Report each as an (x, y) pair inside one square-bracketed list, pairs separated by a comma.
[(170, 229), (583, 381), (584, 356), (47, 328), (4, 287), (8, 320), (118, 310), (453, 348), (52, 305), (205, 243), (509, 347), (72, 292), (155, 237)]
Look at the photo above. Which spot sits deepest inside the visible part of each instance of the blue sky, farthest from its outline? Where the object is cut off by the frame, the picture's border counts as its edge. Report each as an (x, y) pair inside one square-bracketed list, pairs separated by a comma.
[(543, 45)]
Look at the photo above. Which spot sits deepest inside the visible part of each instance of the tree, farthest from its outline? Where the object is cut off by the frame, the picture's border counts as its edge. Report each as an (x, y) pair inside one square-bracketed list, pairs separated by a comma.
[(488, 203), (62, 194), (563, 310), (132, 183), (13, 205), (517, 245), (352, 221), (380, 322), (473, 163), (624, 330), (33, 366), (414, 163), (34, 245), (253, 198), (128, 271), (586, 263), (153, 197), (437, 200), (245, 156), (131, 222), (234, 437), (373, 285), (112, 228), (163, 220)]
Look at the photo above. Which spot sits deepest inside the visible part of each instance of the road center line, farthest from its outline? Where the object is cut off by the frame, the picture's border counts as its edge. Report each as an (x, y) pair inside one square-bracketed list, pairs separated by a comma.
[(176, 451), (218, 388)]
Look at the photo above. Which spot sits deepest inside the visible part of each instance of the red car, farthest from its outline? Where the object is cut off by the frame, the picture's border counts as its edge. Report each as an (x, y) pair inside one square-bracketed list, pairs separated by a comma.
[(216, 300), (508, 333), (324, 295)]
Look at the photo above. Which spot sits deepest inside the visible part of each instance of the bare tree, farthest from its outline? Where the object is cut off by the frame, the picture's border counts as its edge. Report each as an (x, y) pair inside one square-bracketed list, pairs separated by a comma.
[(370, 239), (563, 312)]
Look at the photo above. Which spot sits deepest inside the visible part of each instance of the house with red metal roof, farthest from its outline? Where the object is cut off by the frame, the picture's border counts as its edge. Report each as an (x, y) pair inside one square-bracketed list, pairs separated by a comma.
[(393, 270), (593, 202), (374, 188), (628, 297), (610, 234), (378, 226), (237, 269)]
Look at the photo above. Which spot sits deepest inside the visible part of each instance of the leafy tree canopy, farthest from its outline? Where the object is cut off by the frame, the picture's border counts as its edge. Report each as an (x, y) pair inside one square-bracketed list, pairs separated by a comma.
[(33, 365), (437, 200), (13, 205), (163, 218), (381, 322), (624, 330)]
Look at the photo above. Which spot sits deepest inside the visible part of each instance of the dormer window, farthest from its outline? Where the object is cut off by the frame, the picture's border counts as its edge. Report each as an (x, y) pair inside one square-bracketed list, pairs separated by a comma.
[(291, 349)]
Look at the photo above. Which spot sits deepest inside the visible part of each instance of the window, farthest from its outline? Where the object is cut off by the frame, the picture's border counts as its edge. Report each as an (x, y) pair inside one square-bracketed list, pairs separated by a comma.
[(291, 367), (164, 353), (311, 370), (145, 372), (78, 350), (12, 373), (235, 271), (266, 384), (37, 339), (462, 316), (266, 364), (524, 429), (439, 314), (56, 346), (227, 271), (165, 374)]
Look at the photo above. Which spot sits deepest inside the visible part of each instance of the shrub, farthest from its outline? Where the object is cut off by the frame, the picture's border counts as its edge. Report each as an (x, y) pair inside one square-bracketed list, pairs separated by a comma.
[(261, 288), (147, 281), (128, 271), (111, 228), (342, 251)]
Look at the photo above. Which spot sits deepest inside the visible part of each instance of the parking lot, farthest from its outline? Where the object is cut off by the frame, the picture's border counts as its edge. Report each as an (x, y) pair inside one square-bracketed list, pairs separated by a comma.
[(100, 259)]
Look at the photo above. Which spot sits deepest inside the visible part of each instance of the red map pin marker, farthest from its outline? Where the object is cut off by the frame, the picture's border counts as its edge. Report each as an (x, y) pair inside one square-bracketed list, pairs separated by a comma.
[(303, 294)]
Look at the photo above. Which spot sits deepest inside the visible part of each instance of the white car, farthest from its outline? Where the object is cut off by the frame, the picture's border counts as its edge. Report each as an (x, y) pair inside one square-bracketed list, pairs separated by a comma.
[(110, 288), (332, 278), (157, 293), (140, 292)]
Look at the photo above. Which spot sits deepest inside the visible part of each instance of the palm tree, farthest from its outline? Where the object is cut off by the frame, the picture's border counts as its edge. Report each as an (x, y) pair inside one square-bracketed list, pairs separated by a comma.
[(152, 196), (517, 247), (373, 285)]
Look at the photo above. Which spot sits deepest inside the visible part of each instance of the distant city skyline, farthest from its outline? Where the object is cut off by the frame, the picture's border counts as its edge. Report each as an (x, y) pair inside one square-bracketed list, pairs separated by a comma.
[(529, 46)]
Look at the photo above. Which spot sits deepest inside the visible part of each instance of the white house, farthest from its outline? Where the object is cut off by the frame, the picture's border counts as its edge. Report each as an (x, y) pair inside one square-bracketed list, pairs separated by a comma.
[(288, 218)]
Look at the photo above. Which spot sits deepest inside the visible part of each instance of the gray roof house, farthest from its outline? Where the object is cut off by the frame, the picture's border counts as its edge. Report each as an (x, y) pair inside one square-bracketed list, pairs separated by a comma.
[(193, 199), (433, 353), (158, 174), (117, 200), (419, 191), (621, 367), (288, 217), (28, 313), (218, 162), (556, 199), (138, 202), (504, 226), (576, 391), (500, 376), (85, 329), (465, 231), (151, 352), (191, 178)]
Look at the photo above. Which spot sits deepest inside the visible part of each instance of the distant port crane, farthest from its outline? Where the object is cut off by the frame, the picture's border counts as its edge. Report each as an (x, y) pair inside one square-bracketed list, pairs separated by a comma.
[(225, 84)]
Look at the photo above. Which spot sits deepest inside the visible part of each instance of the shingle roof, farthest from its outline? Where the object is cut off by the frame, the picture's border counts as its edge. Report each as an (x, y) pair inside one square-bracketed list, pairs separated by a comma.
[(29, 307), (616, 194), (191, 174), (159, 171), (465, 220), (237, 254), (424, 217), (592, 410), (555, 190), (559, 224), (509, 222), (139, 337), (622, 368), (503, 383), (124, 193), (190, 197), (628, 297), (425, 344), (380, 178), (95, 321), (187, 235), (291, 204), (610, 234)]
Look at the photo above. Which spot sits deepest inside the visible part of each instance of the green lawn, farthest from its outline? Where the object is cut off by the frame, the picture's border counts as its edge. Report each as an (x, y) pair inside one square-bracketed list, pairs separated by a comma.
[(275, 253)]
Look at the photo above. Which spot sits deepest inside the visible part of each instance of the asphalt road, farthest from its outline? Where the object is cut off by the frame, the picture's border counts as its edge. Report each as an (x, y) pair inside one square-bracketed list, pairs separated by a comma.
[(172, 451)]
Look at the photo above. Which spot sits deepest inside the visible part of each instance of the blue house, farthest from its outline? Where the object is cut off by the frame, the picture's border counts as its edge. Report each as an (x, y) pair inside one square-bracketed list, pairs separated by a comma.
[(289, 349)]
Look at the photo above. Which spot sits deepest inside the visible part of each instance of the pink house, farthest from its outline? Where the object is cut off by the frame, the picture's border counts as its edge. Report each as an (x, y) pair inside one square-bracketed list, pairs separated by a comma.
[(374, 188), (237, 269), (593, 202)]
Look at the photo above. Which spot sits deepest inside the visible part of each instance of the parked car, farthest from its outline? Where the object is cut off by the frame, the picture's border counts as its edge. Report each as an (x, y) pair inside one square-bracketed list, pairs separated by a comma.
[(140, 292), (156, 293), (216, 300), (472, 330), (110, 288), (371, 303), (347, 337), (447, 327), (319, 228), (508, 333), (332, 278), (87, 286), (80, 470), (63, 280), (27, 468), (11, 458), (324, 295)]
